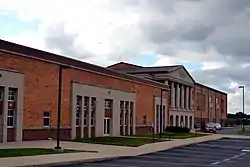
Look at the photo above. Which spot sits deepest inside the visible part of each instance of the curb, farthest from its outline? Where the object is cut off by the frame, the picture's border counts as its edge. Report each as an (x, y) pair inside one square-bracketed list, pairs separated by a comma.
[(75, 162)]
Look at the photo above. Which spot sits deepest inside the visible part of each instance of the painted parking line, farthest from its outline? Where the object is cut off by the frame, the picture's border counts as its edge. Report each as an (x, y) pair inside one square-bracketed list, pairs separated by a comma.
[(157, 163), (231, 159), (205, 151), (107, 164), (189, 154), (221, 146)]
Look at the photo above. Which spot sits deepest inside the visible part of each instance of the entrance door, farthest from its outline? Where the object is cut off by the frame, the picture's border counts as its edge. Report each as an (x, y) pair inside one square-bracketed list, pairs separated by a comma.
[(106, 126)]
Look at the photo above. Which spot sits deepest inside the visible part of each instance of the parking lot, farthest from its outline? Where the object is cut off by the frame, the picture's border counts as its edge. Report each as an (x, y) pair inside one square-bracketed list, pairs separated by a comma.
[(220, 153)]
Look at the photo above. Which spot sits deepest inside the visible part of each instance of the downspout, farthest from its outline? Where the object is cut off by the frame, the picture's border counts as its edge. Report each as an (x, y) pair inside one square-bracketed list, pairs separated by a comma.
[(201, 104), (161, 115)]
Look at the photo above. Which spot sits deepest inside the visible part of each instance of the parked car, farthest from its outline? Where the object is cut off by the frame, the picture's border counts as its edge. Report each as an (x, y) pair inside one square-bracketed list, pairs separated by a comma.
[(217, 126), (208, 128)]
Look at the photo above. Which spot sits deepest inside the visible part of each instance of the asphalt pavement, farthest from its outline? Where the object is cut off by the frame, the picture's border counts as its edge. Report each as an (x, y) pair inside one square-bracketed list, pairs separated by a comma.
[(220, 153)]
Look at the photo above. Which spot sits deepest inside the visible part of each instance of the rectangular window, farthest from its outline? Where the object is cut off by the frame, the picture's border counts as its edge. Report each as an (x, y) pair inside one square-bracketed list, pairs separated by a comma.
[(12, 94), (10, 118), (108, 104), (203, 102), (198, 101), (216, 100), (121, 111), (78, 110), (46, 119), (163, 110), (86, 110), (222, 105), (126, 112), (210, 99), (131, 113), (144, 120), (93, 111), (157, 112)]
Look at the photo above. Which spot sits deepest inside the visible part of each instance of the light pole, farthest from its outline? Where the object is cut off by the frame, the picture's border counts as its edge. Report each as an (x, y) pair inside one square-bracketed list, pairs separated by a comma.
[(243, 110), (61, 67)]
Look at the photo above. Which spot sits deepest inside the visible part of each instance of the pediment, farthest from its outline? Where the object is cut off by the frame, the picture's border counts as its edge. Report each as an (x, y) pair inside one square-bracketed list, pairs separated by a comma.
[(182, 74)]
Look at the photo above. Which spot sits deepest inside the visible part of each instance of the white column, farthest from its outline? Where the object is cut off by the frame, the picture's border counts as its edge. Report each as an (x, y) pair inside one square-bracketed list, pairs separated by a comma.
[(172, 95), (178, 96), (166, 82), (19, 115), (5, 110), (182, 97), (191, 99), (187, 98)]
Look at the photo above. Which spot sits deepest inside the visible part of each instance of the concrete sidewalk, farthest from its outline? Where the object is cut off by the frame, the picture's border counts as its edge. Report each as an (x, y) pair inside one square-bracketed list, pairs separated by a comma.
[(104, 151)]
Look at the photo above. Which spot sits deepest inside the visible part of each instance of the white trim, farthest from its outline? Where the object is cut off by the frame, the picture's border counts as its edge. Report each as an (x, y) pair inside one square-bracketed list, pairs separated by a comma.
[(47, 117)]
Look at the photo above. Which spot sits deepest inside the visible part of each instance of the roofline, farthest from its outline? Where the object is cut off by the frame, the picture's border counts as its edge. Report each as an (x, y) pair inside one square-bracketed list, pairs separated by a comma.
[(73, 63), (216, 90), (122, 62)]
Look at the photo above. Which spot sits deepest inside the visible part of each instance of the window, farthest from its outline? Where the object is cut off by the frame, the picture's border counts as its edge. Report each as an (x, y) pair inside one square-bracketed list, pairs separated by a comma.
[(93, 111), (121, 112), (131, 113), (157, 112), (198, 101), (222, 105), (163, 110), (144, 120), (108, 104), (78, 110), (10, 118), (46, 118), (1, 95), (216, 100), (210, 99), (86, 110), (11, 95), (203, 102), (126, 112)]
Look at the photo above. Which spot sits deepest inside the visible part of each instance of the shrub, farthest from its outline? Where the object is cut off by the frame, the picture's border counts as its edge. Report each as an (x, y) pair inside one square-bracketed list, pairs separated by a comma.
[(177, 129)]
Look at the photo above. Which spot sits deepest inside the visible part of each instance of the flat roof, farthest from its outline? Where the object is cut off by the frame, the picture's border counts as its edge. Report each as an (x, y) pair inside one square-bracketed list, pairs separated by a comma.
[(211, 88), (20, 50)]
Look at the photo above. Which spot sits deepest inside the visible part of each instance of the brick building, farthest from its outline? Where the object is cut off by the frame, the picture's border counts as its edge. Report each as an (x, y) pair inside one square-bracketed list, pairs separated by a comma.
[(96, 101), (188, 99), (210, 105)]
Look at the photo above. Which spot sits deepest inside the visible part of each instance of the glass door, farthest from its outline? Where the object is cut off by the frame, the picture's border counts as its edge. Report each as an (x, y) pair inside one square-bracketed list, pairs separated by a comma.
[(106, 126)]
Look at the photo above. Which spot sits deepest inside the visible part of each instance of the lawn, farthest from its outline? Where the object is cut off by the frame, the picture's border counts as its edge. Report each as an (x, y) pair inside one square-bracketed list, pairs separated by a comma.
[(16, 152), (246, 132), (119, 141), (175, 135)]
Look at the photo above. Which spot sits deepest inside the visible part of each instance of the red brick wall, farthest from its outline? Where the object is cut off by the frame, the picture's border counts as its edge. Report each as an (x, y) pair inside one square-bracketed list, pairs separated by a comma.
[(209, 92), (41, 87)]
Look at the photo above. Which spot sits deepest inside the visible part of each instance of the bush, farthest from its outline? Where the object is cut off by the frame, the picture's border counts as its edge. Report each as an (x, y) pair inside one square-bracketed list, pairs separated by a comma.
[(177, 129)]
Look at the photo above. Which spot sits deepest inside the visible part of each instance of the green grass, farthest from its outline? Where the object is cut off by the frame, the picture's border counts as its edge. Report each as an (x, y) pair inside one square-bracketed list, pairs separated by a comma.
[(16, 152), (118, 141), (246, 132), (175, 135)]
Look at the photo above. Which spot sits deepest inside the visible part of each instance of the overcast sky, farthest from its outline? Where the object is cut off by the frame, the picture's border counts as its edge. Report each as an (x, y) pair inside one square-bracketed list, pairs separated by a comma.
[(210, 37)]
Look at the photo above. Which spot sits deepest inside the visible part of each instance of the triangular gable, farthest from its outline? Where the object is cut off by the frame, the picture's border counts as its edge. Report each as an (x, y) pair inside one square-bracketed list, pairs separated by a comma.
[(182, 74)]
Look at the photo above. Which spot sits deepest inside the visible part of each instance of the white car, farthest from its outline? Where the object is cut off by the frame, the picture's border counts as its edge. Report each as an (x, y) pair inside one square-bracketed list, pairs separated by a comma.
[(217, 126)]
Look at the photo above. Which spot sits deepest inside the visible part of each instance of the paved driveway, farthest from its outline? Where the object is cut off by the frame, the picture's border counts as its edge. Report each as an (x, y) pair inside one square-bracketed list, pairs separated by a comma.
[(220, 153)]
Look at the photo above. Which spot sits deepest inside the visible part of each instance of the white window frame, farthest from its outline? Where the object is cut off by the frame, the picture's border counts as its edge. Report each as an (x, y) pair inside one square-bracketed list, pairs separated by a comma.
[(93, 107), (121, 112), (12, 95), (11, 116), (78, 105), (108, 103), (47, 117), (210, 99)]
